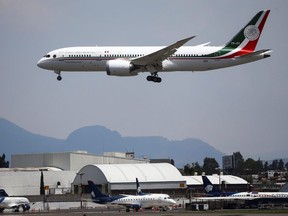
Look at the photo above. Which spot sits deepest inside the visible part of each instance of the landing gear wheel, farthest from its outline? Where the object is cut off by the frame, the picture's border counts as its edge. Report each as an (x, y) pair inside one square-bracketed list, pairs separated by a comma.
[(149, 78), (158, 80), (127, 210), (154, 77), (59, 78)]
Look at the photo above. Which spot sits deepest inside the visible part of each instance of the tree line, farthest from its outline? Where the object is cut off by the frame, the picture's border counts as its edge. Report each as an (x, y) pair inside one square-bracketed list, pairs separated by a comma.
[(241, 166), (3, 162)]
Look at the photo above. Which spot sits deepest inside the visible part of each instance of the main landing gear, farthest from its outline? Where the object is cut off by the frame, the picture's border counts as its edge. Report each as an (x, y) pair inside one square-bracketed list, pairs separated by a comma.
[(154, 78)]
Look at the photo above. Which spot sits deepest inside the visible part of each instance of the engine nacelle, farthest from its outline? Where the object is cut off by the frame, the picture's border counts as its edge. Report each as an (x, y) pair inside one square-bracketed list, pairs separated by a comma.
[(25, 207), (120, 68), (136, 207)]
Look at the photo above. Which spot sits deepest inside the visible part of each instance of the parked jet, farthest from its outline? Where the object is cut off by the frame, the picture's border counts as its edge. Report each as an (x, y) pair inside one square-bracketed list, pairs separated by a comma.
[(15, 203), (131, 60), (131, 201), (251, 198), (140, 193)]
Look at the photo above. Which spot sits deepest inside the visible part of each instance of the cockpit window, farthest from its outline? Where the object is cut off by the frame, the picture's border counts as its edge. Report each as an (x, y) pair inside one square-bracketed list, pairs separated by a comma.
[(47, 56)]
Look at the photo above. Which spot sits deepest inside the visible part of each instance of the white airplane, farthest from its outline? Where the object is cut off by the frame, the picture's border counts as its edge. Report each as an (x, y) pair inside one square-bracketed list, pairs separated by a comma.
[(257, 196), (140, 193), (131, 201), (15, 203), (131, 60)]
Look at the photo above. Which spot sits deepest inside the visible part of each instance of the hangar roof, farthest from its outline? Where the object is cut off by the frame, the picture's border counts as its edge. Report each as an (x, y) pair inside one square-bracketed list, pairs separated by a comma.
[(229, 179), (116, 173)]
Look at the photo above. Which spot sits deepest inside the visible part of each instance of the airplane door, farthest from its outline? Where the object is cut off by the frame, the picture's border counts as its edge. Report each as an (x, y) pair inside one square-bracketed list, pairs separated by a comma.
[(159, 200)]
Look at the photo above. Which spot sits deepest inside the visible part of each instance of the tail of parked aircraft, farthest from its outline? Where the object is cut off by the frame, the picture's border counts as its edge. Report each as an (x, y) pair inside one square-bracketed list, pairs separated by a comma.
[(209, 188), (138, 188), (96, 194), (247, 38), (3, 193)]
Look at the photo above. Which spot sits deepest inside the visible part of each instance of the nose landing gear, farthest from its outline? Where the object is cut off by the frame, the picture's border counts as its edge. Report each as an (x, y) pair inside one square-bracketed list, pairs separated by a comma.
[(59, 78)]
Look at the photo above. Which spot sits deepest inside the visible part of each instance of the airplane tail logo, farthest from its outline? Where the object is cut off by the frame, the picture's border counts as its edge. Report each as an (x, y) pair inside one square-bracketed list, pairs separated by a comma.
[(252, 32), (209, 188)]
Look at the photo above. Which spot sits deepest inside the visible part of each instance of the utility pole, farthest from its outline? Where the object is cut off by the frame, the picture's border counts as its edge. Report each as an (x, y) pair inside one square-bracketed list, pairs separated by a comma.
[(81, 190)]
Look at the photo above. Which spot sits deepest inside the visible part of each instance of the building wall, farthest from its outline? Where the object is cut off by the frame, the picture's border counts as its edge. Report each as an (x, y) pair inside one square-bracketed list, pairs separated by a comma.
[(67, 160), (22, 183)]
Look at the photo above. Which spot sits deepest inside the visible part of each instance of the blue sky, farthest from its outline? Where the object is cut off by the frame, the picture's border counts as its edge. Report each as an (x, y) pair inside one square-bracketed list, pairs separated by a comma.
[(243, 108)]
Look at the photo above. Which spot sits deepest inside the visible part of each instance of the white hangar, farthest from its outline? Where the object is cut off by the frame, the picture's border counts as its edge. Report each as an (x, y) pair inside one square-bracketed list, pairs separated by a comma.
[(121, 178), (225, 182)]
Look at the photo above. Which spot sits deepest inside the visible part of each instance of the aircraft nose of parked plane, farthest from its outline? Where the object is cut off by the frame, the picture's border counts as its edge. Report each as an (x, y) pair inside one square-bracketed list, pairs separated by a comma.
[(173, 202)]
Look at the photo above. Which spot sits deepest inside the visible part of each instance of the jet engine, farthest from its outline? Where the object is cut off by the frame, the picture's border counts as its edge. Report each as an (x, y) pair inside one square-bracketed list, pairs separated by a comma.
[(25, 207), (136, 207), (120, 68)]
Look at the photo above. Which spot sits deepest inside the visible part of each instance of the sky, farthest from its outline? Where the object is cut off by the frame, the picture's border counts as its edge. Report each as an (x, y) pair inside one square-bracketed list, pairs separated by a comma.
[(243, 108)]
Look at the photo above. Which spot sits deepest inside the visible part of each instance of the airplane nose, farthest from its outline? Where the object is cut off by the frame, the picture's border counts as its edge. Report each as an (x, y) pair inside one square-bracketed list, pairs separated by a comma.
[(41, 64)]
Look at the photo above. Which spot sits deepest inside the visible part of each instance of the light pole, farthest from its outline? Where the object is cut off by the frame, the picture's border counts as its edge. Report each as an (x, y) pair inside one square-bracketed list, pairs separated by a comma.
[(81, 191), (219, 175)]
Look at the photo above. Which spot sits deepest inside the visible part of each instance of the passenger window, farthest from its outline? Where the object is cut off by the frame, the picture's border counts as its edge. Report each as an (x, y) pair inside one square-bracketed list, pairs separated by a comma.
[(54, 56)]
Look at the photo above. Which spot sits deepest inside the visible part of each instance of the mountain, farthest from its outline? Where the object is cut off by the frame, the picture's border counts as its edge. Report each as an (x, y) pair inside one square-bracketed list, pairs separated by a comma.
[(98, 139)]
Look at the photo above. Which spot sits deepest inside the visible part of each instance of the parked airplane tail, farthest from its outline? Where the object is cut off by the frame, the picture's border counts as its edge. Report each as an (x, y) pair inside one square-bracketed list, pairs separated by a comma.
[(138, 188), (3, 193), (209, 188), (246, 39), (95, 192)]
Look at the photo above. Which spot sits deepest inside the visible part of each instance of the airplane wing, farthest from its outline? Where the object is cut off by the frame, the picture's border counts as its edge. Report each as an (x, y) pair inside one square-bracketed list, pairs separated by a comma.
[(157, 57)]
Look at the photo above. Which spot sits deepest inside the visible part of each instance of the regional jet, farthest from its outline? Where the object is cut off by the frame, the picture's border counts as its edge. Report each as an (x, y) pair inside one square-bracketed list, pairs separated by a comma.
[(132, 60), (131, 201), (15, 203), (251, 197)]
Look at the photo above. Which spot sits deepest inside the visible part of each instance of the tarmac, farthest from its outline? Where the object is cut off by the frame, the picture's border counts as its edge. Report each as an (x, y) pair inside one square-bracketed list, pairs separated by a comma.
[(181, 212)]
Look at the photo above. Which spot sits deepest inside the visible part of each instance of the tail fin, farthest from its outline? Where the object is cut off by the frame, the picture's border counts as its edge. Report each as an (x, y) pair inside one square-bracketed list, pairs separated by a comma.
[(138, 188), (95, 192), (247, 38), (3, 193), (208, 185)]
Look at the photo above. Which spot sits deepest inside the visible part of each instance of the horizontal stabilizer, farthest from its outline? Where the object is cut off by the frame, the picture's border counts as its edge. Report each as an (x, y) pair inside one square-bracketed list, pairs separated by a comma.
[(264, 52)]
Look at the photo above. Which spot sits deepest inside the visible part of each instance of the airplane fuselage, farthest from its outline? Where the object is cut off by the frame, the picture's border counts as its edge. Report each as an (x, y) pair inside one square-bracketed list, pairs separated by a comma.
[(187, 58), (146, 201)]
